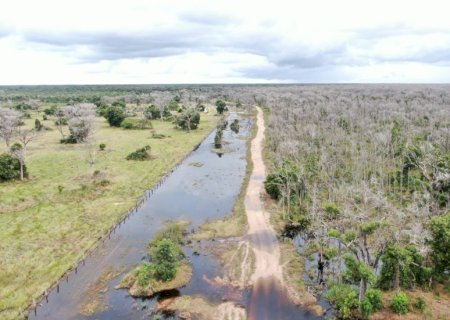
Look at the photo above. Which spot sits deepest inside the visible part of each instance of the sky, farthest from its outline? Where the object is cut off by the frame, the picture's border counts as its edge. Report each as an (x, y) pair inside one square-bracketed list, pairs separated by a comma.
[(215, 41)]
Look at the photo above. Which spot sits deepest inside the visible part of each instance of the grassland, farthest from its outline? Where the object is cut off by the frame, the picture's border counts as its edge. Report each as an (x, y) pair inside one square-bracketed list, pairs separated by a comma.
[(51, 221)]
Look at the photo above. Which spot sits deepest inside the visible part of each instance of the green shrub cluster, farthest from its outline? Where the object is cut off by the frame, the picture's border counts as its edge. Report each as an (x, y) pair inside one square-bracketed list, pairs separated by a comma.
[(140, 154), (400, 303)]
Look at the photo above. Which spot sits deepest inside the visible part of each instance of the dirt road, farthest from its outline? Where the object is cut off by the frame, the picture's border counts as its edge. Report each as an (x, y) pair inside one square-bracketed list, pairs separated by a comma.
[(260, 233)]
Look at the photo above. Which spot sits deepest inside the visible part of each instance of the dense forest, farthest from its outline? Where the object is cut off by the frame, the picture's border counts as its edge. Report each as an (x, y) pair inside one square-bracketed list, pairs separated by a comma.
[(363, 174)]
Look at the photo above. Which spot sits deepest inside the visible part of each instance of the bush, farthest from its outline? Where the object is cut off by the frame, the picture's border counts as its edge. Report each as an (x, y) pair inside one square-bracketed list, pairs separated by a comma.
[(345, 299), (50, 111), (145, 274), (158, 136), (400, 303), (272, 185), (127, 124), (371, 303), (420, 304), (102, 146), (374, 297), (37, 125), (218, 139), (69, 140), (9, 168), (234, 126), (114, 115), (166, 256), (140, 154), (332, 210), (61, 121)]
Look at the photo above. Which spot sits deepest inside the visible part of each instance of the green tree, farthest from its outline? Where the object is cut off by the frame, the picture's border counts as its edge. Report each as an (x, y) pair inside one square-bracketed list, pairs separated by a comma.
[(440, 244), (221, 106), (9, 167), (188, 119), (114, 115), (152, 112), (166, 256), (402, 267)]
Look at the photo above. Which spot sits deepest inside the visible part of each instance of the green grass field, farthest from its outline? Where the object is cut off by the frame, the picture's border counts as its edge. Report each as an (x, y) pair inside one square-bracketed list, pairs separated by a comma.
[(51, 221)]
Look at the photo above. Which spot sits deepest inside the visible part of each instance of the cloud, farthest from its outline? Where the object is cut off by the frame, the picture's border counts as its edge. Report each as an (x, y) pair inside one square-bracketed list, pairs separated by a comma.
[(225, 41)]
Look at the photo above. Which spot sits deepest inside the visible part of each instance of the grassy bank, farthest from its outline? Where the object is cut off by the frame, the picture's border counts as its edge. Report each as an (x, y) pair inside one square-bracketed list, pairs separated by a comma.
[(51, 221)]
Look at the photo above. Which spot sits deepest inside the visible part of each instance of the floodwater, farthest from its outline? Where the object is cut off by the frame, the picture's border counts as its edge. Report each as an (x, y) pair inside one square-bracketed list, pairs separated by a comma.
[(193, 193)]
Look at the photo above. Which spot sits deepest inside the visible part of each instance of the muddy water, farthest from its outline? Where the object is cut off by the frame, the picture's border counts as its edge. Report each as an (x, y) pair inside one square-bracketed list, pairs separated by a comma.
[(192, 193), (268, 301)]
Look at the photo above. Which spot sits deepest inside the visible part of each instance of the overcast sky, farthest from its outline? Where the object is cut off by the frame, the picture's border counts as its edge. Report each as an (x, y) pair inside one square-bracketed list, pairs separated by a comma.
[(211, 41)]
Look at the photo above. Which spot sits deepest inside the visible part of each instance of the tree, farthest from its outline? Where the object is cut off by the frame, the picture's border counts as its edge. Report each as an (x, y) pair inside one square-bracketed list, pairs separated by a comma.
[(152, 112), (440, 244), (80, 118), (61, 121), (19, 150), (114, 115), (166, 256), (9, 121), (221, 106), (188, 119)]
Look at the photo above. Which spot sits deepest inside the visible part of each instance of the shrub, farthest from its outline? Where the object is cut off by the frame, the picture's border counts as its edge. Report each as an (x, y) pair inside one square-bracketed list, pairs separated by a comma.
[(50, 111), (420, 304), (140, 154), (158, 136), (114, 115), (272, 184), (218, 138), (69, 140), (332, 210), (234, 126), (44, 117), (145, 274), (166, 256), (374, 297), (371, 303), (400, 303), (173, 232), (37, 125), (167, 115), (62, 121), (102, 146), (345, 299), (9, 167), (127, 124)]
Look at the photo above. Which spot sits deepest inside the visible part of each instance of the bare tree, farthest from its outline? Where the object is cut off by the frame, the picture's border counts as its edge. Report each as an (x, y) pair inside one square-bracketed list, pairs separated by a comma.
[(19, 150), (9, 122), (61, 121), (80, 118)]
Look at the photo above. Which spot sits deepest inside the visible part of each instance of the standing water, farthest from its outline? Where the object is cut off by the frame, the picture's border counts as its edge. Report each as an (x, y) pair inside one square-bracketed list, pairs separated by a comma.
[(191, 193)]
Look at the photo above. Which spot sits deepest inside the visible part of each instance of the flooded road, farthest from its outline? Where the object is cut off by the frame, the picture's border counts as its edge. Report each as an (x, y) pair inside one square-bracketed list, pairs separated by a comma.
[(203, 187), (190, 192)]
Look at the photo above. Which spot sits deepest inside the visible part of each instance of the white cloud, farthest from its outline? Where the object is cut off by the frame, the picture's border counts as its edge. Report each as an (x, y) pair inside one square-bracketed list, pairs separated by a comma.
[(176, 41)]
